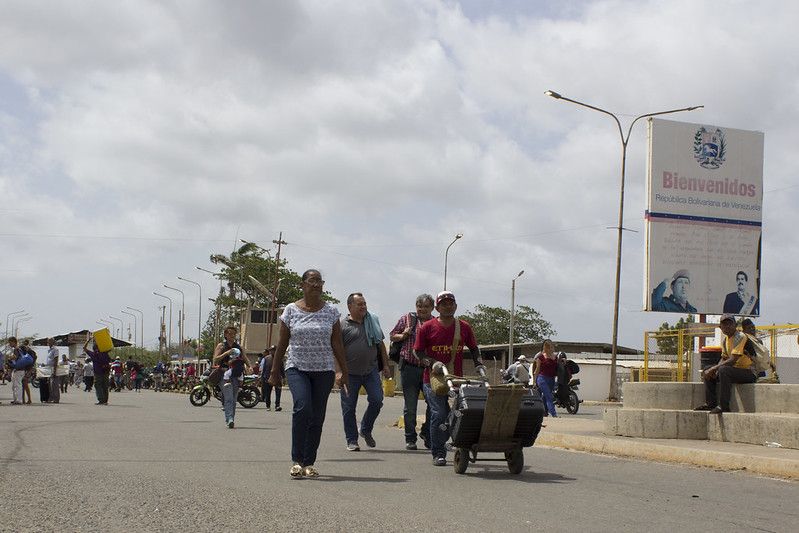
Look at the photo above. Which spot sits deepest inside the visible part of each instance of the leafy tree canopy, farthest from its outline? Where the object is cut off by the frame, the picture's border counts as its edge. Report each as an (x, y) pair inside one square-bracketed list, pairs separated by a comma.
[(239, 290), (491, 325), (667, 336)]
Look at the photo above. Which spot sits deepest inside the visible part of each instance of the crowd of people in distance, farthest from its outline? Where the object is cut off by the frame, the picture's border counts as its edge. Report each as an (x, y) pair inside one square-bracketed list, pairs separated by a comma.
[(55, 373), (319, 349)]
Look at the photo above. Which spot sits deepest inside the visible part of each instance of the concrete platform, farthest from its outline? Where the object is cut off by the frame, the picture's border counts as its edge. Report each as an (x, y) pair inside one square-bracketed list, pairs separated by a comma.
[(751, 428), (746, 398), (574, 433), (761, 413)]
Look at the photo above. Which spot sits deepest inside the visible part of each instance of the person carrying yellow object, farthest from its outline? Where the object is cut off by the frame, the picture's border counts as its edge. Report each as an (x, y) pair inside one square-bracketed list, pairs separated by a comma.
[(735, 366)]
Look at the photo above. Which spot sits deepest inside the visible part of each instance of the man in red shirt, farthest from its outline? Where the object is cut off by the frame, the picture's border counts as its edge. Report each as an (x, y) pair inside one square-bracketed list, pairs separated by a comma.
[(434, 341)]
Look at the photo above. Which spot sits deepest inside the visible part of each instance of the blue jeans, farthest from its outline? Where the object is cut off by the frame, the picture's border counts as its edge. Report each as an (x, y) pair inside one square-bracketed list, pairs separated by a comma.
[(546, 385), (310, 391), (230, 393), (374, 396), (439, 411), (411, 387)]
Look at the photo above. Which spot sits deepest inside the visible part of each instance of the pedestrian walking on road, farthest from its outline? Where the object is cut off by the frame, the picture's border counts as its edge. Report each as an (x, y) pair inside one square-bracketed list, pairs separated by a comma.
[(265, 368), (310, 338), (229, 355), (52, 363), (88, 375), (544, 373), (443, 339), (411, 370), (101, 365), (363, 345), (20, 362)]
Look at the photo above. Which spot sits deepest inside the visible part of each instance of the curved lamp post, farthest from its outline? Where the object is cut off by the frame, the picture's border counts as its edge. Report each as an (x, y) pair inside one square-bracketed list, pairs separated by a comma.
[(135, 327), (169, 335), (512, 314), (613, 393), (15, 321), (182, 321), (199, 316), (121, 326), (446, 255), (141, 325), (20, 321), (8, 317)]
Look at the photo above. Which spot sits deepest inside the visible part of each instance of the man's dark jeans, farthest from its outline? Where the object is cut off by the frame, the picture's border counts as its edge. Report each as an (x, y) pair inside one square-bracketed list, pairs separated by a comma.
[(411, 377), (101, 388), (310, 392), (266, 392), (89, 382), (719, 390)]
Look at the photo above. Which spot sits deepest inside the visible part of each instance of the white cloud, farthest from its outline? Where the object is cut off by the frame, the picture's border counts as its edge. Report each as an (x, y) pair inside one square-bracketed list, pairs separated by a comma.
[(370, 133)]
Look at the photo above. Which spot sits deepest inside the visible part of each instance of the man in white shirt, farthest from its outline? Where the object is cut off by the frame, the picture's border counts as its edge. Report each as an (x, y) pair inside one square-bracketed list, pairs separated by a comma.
[(52, 363)]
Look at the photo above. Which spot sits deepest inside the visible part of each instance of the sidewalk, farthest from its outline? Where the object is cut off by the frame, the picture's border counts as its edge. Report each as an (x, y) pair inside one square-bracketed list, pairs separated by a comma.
[(585, 435)]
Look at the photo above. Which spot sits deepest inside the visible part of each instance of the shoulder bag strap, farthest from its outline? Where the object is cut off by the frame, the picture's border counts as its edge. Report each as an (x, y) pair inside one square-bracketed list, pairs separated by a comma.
[(456, 340)]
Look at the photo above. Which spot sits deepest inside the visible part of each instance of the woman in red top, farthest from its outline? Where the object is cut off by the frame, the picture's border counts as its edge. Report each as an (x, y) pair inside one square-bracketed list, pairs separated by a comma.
[(544, 373)]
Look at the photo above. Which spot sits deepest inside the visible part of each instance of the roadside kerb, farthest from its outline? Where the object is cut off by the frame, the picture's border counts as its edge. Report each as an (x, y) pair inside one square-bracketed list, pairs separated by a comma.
[(698, 453)]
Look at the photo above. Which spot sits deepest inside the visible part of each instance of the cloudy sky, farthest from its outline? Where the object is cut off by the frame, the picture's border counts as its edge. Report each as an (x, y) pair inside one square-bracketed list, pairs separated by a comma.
[(137, 138)]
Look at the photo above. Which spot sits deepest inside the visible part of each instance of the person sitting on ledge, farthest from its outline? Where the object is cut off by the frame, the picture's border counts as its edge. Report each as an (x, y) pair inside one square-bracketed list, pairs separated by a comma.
[(735, 366)]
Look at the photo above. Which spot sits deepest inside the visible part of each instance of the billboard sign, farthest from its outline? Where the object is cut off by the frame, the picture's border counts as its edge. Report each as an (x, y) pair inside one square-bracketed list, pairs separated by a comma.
[(703, 219)]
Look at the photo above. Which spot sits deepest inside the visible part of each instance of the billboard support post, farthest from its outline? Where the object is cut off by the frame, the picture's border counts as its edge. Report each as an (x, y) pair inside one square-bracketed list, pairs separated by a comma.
[(613, 390)]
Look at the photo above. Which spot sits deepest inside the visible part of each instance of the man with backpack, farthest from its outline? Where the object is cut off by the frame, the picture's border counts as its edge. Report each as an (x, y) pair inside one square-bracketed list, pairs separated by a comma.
[(411, 369), (737, 365)]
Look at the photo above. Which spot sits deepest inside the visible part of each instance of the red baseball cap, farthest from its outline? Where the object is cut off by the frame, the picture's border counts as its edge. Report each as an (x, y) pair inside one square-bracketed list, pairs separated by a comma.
[(444, 295)]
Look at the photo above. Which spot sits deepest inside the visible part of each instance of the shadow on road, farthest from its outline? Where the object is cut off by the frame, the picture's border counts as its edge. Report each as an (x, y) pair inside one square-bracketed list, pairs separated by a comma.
[(527, 476), (363, 479)]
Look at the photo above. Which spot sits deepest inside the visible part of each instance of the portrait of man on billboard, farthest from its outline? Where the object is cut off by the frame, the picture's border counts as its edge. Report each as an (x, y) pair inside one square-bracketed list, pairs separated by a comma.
[(677, 301), (741, 302)]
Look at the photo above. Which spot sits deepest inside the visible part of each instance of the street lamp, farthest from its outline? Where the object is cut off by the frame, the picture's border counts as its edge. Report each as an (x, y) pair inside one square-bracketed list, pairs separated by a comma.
[(16, 320), (512, 314), (199, 316), (135, 327), (121, 325), (613, 393), (182, 321), (446, 254), (8, 317), (106, 323), (20, 321), (141, 326), (169, 335)]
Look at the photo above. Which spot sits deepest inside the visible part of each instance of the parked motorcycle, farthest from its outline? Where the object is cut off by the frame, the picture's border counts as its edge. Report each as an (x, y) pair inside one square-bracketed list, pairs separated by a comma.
[(573, 404), (248, 397)]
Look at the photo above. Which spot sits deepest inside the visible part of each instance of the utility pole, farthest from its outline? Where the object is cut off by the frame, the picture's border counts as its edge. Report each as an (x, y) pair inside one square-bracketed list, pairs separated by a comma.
[(272, 318)]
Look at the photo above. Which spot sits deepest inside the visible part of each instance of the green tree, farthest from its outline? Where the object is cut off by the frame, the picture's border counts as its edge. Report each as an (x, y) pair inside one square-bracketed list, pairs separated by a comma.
[(238, 289), (491, 325), (666, 336)]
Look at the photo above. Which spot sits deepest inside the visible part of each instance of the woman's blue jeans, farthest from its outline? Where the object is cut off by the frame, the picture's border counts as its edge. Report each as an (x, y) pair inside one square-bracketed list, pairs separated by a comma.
[(310, 391), (230, 393), (546, 385)]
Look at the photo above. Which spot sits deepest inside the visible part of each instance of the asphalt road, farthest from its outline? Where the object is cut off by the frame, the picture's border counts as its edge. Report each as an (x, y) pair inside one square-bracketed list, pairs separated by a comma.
[(152, 462)]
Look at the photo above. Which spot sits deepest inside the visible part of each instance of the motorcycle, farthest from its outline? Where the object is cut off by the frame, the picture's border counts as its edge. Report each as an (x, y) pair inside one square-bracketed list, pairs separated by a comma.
[(572, 404), (248, 397)]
